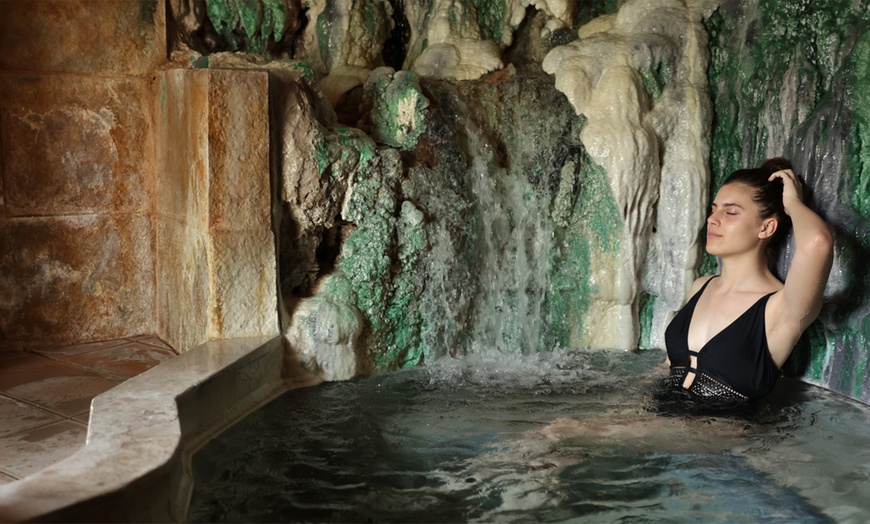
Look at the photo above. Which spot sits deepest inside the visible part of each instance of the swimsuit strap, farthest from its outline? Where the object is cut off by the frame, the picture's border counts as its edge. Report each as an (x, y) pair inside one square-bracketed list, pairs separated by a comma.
[(705, 284)]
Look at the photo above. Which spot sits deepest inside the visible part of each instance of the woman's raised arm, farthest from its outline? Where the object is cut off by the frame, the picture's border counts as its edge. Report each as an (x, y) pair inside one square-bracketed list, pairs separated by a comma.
[(801, 298)]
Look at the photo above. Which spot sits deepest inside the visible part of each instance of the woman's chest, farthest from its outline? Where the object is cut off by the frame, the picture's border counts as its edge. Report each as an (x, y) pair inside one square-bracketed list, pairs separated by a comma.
[(716, 317)]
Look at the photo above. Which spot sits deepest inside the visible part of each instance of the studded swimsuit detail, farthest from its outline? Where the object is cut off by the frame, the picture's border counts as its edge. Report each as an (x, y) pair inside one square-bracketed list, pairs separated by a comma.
[(733, 365)]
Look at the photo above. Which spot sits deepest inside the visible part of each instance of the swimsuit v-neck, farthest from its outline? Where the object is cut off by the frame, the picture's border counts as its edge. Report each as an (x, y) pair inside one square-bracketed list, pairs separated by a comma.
[(734, 364)]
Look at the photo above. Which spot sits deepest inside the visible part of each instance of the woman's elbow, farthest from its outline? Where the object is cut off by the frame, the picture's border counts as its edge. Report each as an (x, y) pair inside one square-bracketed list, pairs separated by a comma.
[(824, 241), (820, 244)]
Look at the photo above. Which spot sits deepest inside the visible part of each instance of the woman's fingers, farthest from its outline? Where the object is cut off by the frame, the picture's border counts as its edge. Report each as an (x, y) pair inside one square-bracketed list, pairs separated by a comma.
[(784, 173), (791, 183), (792, 190)]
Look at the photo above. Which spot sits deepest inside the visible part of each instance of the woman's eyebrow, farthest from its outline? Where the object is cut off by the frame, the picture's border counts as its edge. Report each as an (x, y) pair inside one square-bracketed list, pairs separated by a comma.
[(727, 204)]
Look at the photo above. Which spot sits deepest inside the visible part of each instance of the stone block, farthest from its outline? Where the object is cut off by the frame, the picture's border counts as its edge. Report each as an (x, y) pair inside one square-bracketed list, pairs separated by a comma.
[(76, 278), (122, 36), (76, 143), (239, 182), (244, 290), (182, 152), (182, 284)]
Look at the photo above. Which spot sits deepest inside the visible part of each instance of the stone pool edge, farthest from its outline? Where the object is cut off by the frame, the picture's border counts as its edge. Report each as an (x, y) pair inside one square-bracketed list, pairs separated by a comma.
[(135, 465)]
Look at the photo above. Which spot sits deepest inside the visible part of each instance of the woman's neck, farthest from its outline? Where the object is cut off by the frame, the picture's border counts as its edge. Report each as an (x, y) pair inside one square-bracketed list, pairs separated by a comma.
[(747, 272)]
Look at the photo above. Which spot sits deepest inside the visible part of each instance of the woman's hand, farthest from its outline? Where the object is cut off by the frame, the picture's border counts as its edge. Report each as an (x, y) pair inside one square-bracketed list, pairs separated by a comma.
[(792, 188)]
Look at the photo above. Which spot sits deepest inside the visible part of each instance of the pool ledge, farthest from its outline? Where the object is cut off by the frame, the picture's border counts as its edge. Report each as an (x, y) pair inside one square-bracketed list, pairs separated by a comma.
[(135, 464)]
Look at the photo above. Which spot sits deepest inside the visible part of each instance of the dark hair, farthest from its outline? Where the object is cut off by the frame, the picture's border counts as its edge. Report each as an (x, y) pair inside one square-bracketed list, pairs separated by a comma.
[(767, 196)]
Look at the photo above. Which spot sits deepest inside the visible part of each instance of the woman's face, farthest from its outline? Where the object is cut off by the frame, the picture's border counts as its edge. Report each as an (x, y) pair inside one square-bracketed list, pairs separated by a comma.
[(734, 225)]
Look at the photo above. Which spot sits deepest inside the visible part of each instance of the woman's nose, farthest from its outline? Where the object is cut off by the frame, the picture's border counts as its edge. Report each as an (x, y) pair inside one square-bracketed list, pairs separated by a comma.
[(712, 218)]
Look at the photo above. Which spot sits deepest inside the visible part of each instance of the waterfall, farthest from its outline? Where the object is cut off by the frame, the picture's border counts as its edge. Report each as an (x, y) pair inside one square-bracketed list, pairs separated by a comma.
[(512, 241), (517, 237)]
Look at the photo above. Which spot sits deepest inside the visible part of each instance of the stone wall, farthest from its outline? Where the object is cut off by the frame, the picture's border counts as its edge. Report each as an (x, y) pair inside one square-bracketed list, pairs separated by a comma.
[(77, 148), (134, 198)]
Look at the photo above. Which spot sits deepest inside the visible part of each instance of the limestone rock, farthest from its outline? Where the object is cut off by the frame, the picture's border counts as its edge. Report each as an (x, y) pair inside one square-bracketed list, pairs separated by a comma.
[(350, 33), (447, 41), (638, 78), (397, 108), (325, 333)]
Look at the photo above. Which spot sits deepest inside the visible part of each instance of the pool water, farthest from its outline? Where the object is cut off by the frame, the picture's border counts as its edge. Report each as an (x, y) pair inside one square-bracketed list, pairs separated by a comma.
[(550, 437)]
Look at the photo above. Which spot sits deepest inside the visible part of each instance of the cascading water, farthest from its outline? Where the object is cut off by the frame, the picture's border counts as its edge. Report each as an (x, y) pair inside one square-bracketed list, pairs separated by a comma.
[(504, 249), (516, 237)]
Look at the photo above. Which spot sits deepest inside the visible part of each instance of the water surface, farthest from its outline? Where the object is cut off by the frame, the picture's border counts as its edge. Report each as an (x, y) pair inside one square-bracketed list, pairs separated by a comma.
[(551, 437)]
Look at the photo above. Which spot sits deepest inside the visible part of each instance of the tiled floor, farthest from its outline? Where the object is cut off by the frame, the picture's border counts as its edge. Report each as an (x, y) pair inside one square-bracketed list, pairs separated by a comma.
[(45, 396)]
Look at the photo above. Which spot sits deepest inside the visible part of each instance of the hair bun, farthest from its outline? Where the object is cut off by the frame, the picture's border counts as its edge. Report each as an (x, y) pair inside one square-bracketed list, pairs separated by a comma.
[(776, 164)]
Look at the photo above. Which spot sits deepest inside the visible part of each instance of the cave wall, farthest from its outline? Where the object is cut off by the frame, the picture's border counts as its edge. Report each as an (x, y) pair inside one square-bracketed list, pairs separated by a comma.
[(790, 79)]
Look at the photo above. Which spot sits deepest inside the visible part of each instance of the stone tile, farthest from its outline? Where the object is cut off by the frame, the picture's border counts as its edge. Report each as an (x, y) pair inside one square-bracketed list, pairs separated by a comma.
[(29, 451), (76, 278), (16, 416), (125, 36), (57, 386), (76, 144), (151, 340), (123, 361), (182, 284), (84, 418), (182, 150), (244, 300), (6, 479), (11, 360), (61, 351), (239, 183)]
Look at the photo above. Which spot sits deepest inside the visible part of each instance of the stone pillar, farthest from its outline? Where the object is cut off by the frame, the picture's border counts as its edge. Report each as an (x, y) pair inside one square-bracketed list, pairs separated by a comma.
[(216, 264), (182, 209), (244, 289)]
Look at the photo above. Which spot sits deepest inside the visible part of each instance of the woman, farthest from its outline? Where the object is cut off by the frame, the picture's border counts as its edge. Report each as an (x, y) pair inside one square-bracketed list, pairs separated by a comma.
[(739, 327)]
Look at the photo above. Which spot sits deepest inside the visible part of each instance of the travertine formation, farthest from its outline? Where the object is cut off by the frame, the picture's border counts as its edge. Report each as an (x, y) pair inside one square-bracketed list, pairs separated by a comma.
[(638, 77)]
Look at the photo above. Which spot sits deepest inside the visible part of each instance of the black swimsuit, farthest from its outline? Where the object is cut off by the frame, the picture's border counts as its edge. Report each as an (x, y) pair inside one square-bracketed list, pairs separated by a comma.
[(734, 364)]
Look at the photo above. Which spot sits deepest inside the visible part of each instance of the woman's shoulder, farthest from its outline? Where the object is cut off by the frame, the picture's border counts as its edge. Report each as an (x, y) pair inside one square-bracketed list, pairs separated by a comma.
[(699, 283)]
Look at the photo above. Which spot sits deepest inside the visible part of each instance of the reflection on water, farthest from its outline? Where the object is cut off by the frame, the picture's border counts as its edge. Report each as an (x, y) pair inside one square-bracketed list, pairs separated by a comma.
[(537, 438)]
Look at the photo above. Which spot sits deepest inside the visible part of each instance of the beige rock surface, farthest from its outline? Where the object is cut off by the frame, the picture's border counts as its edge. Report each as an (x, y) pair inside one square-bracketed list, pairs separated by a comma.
[(83, 36), (76, 146), (76, 277), (216, 273), (654, 147)]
